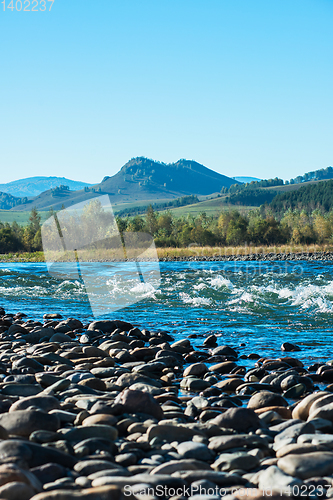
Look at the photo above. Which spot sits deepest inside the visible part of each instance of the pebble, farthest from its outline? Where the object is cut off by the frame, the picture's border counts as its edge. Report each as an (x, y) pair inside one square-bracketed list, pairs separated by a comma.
[(87, 410)]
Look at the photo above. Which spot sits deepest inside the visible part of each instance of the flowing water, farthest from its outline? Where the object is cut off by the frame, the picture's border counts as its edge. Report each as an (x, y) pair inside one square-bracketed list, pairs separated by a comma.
[(261, 304)]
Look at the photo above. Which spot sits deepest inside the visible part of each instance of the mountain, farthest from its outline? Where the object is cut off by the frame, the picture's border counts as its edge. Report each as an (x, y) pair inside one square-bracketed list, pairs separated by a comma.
[(33, 186), (140, 179), (7, 201), (246, 179)]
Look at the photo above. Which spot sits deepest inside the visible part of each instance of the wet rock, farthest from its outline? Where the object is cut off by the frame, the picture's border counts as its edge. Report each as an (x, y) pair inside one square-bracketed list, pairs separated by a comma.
[(224, 367), (288, 347), (295, 392), (274, 479), (14, 450), (87, 467), (52, 316), (44, 403), (182, 464), (229, 385), (127, 379), (324, 412), (107, 326), (239, 419), (194, 384), (237, 460), (10, 473), (220, 443), (84, 432), (197, 369), (198, 451), (280, 411), (16, 490), (225, 350), (97, 493), (301, 410), (307, 465), (137, 401), (24, 422), (21, 389), (210, 341), (294, 431), (171, 433), (299, 449), (264, 399), (48, 473)]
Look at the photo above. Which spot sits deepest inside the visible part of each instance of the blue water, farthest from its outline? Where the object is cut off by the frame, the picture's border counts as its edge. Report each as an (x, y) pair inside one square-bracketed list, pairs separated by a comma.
[(261, 304)]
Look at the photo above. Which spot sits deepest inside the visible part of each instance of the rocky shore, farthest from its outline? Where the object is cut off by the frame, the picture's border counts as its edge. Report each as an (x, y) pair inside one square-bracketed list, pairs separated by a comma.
[(269, 256), (106, 411), (292, 256)]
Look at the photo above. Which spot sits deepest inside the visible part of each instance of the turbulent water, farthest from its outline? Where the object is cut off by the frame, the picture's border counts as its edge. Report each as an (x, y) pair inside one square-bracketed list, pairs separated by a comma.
[(260, 304)]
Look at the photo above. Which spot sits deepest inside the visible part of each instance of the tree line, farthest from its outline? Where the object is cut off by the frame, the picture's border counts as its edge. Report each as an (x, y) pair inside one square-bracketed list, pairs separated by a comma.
[(15, 238), (229, 228)]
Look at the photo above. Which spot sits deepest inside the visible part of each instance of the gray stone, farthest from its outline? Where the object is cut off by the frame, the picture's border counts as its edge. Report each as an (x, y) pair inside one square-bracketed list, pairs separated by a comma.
[(183, 464), (171, 433), (194, 384), (24, 422), (239, 419), (217, 477), (45, 403), (220, 443), (294, 431), (84, 432), (306, 465), (265, 399), (138, 401), (237, 460), (275, 479), (197, 369), (199, 451), (87, 467)]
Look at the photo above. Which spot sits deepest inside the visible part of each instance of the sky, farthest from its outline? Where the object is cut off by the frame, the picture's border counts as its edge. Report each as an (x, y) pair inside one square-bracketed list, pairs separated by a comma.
[(243, 87)]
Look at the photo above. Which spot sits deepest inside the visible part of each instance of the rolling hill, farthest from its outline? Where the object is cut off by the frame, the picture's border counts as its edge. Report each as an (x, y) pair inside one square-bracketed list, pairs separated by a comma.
[(140, 179), (33, 186)]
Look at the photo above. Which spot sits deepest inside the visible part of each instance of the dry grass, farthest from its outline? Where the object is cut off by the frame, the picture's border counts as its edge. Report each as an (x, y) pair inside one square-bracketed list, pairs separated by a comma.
[(100, 255), (196, 251)]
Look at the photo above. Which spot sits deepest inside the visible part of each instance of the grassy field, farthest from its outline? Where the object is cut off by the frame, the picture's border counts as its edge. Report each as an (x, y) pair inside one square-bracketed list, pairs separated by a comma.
[(193, 251), (22, 218), (293, 187), (117, 207), (210, 207)]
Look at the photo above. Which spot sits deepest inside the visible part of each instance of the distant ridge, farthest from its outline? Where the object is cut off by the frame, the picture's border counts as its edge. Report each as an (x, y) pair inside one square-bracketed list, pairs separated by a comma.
[(246, 179), (33, 186)]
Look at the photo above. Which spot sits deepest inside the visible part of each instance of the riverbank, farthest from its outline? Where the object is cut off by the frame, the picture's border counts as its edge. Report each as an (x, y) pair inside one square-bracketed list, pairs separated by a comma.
[(213, 254), (106, 410)]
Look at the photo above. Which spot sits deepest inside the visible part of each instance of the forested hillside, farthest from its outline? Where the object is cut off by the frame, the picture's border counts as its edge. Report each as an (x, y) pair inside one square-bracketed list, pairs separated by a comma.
[(310, 197), (315, 175)]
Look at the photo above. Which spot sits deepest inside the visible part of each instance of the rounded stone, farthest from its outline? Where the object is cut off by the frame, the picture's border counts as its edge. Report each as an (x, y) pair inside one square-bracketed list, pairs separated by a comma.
[(262, 399)]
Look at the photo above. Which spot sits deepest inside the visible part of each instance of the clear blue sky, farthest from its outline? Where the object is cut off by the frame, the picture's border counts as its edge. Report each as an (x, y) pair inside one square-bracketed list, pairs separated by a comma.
[(242, 86)]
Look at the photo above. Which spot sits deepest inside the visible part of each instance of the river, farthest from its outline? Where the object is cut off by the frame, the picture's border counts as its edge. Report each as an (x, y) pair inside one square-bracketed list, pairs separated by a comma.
[(260, 305)]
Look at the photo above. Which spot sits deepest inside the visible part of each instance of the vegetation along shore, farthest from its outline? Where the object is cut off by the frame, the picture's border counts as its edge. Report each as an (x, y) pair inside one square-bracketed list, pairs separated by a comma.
[(230, 235)]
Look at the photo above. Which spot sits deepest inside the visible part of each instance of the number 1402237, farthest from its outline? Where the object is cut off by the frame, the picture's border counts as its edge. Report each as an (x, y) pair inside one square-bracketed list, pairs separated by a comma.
[(27, 5)]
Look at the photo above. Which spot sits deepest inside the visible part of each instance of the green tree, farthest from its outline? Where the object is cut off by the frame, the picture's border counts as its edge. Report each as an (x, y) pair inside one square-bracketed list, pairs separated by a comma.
[(32, 234), (151, 221)]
